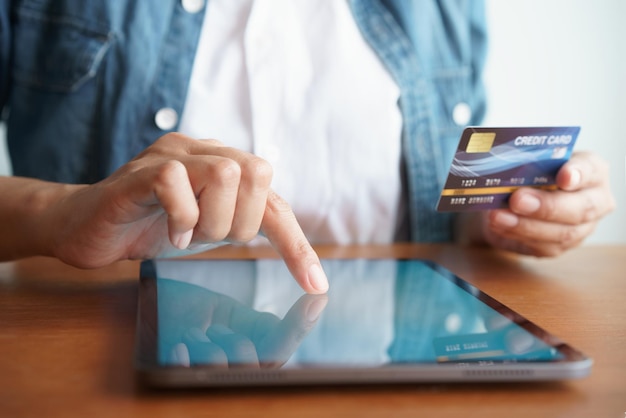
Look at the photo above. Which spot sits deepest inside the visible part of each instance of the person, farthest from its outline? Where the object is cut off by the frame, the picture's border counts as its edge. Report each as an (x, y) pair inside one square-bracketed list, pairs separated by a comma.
[(337, 121)]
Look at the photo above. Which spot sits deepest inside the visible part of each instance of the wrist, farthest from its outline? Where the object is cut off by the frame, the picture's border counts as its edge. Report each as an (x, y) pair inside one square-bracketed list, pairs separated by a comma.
[(34, 216)]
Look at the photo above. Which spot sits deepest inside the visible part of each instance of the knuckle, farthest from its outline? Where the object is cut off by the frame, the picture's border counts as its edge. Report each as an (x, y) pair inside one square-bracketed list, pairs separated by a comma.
[(549, 208), (166, 184), (590, 211), (257, 171), (168, 173), (225, 173), (569, 236)]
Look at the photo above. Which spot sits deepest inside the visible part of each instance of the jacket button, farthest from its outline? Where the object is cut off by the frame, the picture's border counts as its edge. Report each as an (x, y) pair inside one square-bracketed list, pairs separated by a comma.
[(462, 114), (166, 118), (192, 6)]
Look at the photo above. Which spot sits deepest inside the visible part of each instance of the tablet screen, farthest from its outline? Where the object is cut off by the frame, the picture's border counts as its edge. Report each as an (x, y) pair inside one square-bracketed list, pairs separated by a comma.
[(399, 315)]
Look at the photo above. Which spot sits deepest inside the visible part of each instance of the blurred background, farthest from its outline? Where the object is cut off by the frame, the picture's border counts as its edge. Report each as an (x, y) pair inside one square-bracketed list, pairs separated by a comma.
[(557, 62), (563, 62)]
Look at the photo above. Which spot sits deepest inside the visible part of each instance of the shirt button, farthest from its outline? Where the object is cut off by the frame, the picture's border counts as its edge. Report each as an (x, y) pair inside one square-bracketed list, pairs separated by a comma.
[(166, 118), (193, 6), (461, 114)]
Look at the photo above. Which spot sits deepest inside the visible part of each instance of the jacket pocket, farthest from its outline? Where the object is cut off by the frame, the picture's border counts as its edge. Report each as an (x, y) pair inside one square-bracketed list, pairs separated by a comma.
[(56, 53)]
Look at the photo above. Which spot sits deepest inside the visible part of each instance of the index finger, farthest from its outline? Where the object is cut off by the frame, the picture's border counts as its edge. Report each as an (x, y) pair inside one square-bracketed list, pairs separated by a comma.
[(282, 229), (583, 170)]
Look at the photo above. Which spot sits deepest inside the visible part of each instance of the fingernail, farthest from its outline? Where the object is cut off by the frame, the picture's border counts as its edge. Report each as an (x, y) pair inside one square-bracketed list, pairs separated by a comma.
[(317, 278), (505, 220), (315, 309), (527, 204), (183, 240), (575, 179)]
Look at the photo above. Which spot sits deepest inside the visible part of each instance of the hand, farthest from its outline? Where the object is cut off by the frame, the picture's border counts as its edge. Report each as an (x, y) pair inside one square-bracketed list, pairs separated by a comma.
[(199, 326), (547, 223), (179, 191)]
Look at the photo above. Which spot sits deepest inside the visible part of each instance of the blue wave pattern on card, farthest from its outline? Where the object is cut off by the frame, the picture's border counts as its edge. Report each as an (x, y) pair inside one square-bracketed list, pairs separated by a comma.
[(506, 158)]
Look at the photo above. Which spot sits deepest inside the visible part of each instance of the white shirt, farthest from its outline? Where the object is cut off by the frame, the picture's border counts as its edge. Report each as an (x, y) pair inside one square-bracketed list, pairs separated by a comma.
[(294, 82)]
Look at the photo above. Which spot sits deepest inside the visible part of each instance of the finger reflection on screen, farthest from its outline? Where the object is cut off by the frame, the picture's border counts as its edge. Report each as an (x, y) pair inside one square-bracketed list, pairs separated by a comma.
[(198, 326), (227, 313)]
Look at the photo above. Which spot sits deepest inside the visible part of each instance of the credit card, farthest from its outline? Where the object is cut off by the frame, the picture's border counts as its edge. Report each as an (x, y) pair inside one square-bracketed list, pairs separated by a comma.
[(491, 163)]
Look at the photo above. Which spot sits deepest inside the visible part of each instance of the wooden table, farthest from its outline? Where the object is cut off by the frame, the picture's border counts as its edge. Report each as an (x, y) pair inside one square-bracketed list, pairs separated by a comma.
[(67, 338)]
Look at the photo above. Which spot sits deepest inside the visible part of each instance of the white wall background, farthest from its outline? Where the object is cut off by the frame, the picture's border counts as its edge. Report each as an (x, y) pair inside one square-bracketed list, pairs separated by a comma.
[(563, 62), (558, 62)]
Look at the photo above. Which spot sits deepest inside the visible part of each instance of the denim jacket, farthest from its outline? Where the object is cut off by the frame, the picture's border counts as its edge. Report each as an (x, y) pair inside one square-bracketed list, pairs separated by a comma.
[(82, 81)]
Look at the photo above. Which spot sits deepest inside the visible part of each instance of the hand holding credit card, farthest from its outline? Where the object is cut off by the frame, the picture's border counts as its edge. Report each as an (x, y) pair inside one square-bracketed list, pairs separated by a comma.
[(491, 163)]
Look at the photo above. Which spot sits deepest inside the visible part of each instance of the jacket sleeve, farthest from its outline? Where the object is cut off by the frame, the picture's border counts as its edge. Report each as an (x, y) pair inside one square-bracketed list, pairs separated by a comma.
[(5, 51), (448, 35), (479, 45)]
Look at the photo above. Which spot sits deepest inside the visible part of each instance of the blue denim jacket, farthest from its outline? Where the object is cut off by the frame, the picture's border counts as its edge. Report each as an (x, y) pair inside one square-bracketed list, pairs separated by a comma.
[(81, 83)]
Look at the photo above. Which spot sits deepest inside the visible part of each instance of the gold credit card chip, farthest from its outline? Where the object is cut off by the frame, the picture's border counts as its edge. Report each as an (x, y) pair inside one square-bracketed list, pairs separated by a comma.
[(480, 142)]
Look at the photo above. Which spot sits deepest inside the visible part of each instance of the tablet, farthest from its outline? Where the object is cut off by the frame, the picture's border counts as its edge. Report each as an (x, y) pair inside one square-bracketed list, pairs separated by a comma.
[(224, 323)]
